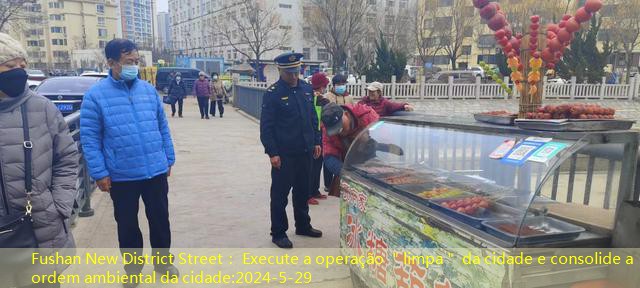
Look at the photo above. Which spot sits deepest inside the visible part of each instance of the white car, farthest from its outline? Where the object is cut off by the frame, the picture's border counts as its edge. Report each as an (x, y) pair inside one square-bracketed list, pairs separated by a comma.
[(557, 81), (95, 74), (477, 71), (33, 84)]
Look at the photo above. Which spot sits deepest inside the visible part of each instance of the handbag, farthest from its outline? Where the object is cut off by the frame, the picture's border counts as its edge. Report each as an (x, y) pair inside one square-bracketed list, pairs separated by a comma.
[(16, 230), (170, 100)]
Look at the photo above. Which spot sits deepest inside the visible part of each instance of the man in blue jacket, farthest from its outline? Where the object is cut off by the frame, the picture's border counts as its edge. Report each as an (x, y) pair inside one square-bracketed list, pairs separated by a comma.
[(126, 142), (290, 135)]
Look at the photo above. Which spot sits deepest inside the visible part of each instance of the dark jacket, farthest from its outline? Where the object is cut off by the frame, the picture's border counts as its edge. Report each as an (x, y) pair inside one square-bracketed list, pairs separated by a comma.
[(55, 167), (177, 89), (337, 146), (201, 88), (283, 116), (384, 107)]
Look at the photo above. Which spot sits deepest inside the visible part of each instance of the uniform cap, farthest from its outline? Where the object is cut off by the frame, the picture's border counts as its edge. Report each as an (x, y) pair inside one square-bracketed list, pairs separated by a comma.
[(289, 61)]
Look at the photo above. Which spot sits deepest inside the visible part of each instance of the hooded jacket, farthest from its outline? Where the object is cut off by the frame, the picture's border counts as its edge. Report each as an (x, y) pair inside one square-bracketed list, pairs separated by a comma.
[(337, 146), (384, 107), (54, 163)]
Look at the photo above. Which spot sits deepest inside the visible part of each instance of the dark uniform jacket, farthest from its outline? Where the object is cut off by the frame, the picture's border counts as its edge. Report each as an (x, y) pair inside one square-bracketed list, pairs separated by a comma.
[(288, 123)]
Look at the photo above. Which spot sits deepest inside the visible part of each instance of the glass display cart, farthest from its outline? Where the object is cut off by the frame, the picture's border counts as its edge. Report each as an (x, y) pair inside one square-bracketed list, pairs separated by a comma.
[(435, 182)]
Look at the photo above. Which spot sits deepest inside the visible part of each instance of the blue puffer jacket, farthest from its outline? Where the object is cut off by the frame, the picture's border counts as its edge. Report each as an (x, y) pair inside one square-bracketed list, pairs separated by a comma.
[(124, 131)]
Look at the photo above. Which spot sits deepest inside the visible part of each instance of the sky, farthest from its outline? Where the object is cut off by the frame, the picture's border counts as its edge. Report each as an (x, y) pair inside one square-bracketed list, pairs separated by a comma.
[(163, 5)]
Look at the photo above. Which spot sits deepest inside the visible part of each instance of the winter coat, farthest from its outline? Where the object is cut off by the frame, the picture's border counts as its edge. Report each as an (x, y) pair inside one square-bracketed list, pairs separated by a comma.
[(201, 88), (54, 161), (384, 107), (339, 99), (217, 90), (124, 131), (337, 146), (177, 89)]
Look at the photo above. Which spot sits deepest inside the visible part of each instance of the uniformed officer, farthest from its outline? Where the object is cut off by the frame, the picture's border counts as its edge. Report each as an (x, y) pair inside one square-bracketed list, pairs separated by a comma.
[(288, 131)]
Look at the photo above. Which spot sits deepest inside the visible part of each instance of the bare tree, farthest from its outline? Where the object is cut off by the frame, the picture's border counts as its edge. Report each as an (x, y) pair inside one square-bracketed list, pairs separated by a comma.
[(624, 29), (425, 35), (338, 26), (12, 13), (255, 33), (453, 27), (519, 12)]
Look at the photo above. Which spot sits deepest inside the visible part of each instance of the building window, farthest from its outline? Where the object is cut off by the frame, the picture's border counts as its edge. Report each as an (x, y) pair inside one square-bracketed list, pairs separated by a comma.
[(486, 41), (440, 60), (403, 4), (61, 54), (466, 50), (285, 6), (58, 30), (56, 4), (285, 48), (56, 17), (371, 2), (307, 53), (306, 33), (445, 3), (102, 33), (391, 4), (285, 27), (100, 8), (323, 55), (101, 21), (59, 42), (468, 31), (102, 43), (33, 43)]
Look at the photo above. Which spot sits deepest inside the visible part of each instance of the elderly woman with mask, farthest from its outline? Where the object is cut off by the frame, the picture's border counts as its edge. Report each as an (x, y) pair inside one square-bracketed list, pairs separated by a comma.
[(33, 135)]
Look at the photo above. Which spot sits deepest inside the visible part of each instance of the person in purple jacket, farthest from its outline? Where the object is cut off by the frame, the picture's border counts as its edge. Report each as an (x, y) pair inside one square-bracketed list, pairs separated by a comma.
[(381, 105), (202, 90)]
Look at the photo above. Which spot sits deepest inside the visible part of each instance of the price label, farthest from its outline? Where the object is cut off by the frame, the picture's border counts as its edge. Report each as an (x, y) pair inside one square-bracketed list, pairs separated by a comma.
[(503, 149), (521, 152), (547, 152)]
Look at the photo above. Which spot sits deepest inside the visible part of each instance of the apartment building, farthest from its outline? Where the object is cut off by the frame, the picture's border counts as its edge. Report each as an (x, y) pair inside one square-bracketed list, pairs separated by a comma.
[(53, 29), (137, 21), (163, 37), (478, 43), (193, 26)]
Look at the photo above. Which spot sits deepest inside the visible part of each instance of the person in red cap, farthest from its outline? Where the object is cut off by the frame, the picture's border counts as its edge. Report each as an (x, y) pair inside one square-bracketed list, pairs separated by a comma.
[(319, 84)]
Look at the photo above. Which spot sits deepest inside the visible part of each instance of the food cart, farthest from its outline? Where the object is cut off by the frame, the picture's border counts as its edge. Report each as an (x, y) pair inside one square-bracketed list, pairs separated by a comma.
[(464, 184)]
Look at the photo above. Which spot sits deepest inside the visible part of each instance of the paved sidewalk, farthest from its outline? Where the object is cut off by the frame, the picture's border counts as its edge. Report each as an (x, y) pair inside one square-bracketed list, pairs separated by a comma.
[(219, 191)]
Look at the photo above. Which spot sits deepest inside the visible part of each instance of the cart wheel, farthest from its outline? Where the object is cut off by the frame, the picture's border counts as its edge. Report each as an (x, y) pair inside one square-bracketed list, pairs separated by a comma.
[(356, 281)]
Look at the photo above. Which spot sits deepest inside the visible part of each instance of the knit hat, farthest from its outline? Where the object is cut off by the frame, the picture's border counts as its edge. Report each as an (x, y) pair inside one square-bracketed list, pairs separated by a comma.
[(10, 49), (319, 80)]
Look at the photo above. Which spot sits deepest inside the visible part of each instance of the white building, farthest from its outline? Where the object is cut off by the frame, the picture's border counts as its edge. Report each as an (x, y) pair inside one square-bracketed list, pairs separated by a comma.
[(192, 35), (163, 39), (138, 21)]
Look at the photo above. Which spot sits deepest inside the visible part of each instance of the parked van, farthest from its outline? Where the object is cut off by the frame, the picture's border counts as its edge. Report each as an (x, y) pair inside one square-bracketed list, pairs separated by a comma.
[(459, 77), (189, 75)]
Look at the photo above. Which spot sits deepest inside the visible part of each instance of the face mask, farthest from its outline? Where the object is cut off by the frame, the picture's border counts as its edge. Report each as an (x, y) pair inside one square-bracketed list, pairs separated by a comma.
[(215, 77), (178, 78), (341, 89), (129, 72), (13, 82)]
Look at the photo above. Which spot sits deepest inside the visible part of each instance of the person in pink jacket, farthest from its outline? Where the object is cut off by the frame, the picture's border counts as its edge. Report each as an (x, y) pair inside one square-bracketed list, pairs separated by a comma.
[(381, 105)]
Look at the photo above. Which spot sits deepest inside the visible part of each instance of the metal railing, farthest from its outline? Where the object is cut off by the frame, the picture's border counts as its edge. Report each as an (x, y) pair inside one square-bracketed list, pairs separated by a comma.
[(248, 98), (481, 90), (84, 185)]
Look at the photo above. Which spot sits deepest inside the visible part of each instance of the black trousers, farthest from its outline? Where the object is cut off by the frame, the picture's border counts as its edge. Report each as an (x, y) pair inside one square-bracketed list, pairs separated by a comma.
[(126, 198), (315, 177), (203, 104), (220, 106), (328, 177), (294, 172), (180, 103)]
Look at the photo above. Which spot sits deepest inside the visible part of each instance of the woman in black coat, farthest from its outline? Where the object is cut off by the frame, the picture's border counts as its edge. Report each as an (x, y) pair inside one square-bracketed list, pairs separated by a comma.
[(177, 90)]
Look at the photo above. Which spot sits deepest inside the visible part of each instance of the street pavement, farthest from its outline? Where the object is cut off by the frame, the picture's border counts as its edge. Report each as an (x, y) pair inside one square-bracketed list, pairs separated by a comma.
[(219, 192)]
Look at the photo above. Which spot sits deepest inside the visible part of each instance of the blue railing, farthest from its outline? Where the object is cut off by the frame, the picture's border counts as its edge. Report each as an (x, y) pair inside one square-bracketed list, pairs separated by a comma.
[(84, 185), (248, 99)]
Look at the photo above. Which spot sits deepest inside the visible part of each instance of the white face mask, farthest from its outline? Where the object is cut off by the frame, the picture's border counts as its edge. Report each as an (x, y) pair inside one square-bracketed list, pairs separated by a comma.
[(178, 78), (215, 77)]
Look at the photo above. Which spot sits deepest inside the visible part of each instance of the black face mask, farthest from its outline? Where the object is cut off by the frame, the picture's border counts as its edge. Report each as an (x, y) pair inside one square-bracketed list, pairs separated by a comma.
[(13, 82)]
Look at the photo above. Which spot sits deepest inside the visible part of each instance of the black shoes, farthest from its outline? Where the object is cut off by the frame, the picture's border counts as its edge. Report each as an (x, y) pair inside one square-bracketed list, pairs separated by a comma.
[(220, 116), (173, 114), (284, 242), (180, 116), (313, 233), (207, 118)]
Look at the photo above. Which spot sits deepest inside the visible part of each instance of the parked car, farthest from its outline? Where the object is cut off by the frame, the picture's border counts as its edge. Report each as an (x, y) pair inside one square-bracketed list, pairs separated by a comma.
[(189, 75), (557, 81), (95, 74), (477, 71), (33, 84), (459, 77), (66, 91), (36, 75)]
